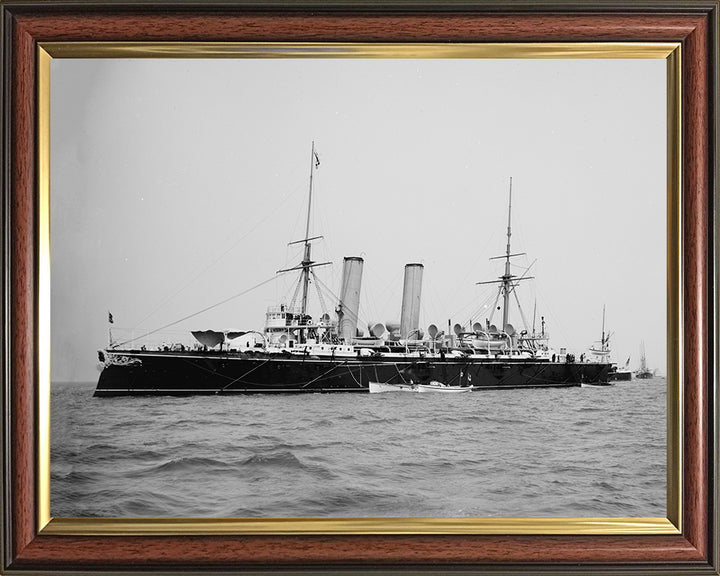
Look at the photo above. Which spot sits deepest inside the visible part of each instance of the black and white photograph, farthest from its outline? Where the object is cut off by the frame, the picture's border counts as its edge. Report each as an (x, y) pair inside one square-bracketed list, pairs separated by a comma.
[(358, 287)]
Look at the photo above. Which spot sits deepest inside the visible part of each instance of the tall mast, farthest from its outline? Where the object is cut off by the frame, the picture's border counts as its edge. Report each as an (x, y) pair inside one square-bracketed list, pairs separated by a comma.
[(306, 262), (602, 342), (507, 281), (506, 277)]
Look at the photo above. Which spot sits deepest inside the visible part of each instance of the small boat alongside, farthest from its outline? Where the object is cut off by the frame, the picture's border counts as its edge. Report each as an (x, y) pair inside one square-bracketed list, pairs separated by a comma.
[(382, 387), (433, 387)]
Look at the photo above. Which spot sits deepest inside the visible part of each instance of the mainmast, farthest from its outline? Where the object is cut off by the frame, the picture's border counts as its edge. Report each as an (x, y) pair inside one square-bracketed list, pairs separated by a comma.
[(507, 281)]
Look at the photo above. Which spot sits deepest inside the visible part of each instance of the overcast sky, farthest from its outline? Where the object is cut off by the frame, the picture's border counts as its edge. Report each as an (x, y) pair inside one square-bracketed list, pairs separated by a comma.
[(178, 183)]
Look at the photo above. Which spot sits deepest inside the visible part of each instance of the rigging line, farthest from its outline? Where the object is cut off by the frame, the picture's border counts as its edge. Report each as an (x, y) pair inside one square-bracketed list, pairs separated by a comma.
[(324, 374), (515, 282), (285, 293), (319, 293), (399, 374), (367, 298), (522, 314), (146, 334), (352, 373), (483, 305), (241, 377), (325, 287), (216, 260), (296, 293), (494, 308), (388, 287), (460, 311), (513, 286), (356, 317), (488, 295), (458, 375), (322, 284), (430, 310)]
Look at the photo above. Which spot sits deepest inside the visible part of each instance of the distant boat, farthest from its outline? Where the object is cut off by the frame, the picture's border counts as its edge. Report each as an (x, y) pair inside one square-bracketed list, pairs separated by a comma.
[(601, 351), (621, 374), (643, 373), (434, 386)]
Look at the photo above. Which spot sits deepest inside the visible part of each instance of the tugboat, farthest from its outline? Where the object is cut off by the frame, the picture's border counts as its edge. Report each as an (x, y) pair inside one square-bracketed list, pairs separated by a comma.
[(300, 354)]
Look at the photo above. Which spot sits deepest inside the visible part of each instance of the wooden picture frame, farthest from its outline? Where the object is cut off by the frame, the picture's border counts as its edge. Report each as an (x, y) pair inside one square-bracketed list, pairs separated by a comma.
[(29, 546)]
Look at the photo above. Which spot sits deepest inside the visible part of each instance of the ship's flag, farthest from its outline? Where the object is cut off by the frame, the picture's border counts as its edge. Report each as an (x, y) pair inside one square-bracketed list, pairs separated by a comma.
[(317, 160), (110, 318)]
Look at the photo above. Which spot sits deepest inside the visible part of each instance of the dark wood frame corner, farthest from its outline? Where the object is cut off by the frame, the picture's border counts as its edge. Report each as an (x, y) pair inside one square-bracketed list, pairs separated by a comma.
[(27, 23)]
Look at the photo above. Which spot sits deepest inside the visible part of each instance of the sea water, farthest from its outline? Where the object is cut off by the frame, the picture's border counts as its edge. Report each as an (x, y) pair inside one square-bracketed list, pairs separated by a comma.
[(591, 451)]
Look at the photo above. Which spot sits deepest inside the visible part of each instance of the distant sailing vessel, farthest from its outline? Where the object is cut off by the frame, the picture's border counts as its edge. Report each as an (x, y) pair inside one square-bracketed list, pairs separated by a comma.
[(299, 353), (643, 373)]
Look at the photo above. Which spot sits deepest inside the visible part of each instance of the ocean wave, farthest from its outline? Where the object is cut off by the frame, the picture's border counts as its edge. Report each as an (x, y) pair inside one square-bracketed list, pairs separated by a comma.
[(329, 502), (74, 476), (284, 458), (182, 464), (606, 486)]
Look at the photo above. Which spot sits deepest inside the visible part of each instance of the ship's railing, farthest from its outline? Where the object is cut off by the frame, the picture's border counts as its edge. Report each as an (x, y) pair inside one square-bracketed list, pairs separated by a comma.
[(125, 339), (170, 340), (284, 309)]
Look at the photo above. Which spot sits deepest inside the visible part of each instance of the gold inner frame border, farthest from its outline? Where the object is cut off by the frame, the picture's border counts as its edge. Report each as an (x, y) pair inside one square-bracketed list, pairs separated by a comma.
[(671, 52)]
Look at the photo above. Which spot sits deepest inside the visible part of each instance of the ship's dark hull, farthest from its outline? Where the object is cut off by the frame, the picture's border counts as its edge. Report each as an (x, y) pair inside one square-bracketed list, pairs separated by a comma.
[(620, 376), (170, 373)]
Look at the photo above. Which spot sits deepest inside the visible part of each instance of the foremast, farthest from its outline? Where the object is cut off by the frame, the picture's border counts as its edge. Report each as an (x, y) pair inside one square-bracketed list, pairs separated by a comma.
[(307, 260), (307, 264)]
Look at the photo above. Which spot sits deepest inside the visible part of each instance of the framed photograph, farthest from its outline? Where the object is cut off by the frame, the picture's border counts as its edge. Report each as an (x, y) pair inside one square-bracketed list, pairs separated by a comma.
[(359, 287)]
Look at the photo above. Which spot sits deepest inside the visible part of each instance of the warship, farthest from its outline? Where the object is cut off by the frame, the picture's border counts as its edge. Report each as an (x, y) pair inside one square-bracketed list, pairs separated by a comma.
[(297, 353)]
